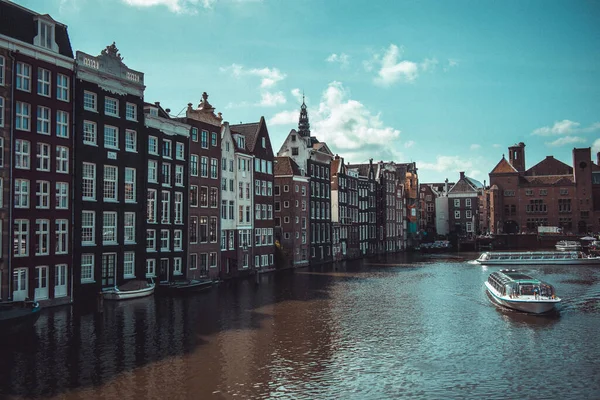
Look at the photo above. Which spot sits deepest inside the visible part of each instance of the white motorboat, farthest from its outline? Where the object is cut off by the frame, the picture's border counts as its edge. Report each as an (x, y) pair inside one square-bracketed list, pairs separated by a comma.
[(536, 258), (516, 290), (568, 245), (131, 290)]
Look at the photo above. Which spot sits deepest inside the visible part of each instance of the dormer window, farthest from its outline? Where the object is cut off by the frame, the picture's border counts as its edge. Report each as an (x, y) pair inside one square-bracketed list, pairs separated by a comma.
[(46, 33), (241, 142), (154, 112), (264, 143)]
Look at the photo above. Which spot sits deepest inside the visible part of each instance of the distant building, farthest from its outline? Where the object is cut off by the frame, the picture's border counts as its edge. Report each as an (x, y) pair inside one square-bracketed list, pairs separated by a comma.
[(551, 193), (463, 206), (367, 209)]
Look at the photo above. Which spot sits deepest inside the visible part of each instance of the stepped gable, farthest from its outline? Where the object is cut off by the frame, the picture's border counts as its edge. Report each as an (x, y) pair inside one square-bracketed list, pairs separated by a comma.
[(503, 167), (20, 23), (549, 166), (283, 166)]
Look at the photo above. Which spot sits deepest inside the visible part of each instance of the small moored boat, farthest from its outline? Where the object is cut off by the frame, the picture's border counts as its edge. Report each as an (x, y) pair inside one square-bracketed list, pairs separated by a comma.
[(131, 290), (188, 286), (568, 245), (536, 258), (16, 316), (516, 290)]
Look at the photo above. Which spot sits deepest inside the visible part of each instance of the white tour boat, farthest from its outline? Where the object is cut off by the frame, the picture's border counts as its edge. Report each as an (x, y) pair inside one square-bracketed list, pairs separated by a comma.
[(568, 245), (516, 290), (536, 257)]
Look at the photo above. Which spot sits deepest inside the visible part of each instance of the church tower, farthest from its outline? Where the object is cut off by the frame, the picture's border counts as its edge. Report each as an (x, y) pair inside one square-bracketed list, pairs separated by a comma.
[(303, 124)]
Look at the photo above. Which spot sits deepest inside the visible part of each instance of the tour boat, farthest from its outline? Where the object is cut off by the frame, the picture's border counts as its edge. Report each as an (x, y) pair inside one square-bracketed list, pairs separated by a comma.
[(516, 290), (130, 290), (568, 245), (536, 257), (16, 316)]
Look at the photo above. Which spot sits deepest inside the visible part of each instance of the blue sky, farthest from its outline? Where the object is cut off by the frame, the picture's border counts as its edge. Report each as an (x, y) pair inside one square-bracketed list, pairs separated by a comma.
[(448, 84)]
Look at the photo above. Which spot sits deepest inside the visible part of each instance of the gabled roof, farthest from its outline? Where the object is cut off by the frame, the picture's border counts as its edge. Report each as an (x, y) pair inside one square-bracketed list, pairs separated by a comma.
[(463, 186), (250, 131), (363, 169), (285, 166), (549, 166), (336, 166), (20, 23), (550, 180), (504, 167)]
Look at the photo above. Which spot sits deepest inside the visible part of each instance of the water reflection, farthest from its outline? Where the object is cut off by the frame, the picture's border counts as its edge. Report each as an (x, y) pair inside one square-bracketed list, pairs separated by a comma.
[(420, 327)]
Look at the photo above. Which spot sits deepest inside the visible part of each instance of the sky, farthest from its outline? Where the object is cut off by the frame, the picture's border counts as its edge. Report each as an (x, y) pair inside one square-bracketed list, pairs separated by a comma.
[(449, 85)]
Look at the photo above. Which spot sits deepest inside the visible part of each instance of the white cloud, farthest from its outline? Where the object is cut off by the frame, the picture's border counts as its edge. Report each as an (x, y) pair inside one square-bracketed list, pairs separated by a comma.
[(475, 146), (341, 58), (409, 144), (176, 6), (269, 77), (347, 126), (297, 94), (595, 148), (392, 70), (565, 127), (270, 99), (496, 145), (429, 64), (451, 64), (565, 140), (453, 165)]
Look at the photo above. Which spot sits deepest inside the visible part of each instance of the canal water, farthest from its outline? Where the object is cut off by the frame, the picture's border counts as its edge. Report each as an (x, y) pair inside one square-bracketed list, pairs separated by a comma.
[(418, 326)]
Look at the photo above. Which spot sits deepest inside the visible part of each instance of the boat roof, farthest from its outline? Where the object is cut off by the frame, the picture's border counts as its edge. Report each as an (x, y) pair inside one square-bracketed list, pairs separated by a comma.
[(511, 275)]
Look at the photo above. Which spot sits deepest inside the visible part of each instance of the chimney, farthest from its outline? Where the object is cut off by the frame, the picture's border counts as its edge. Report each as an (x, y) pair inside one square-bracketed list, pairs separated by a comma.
[(462, 174), (446, 186), (598, 158)]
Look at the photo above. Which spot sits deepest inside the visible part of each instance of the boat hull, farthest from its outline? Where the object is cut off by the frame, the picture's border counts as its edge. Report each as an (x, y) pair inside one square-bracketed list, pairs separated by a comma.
[(192, 286), (18, 317), (128, 294), (528, 305), (578, 261)]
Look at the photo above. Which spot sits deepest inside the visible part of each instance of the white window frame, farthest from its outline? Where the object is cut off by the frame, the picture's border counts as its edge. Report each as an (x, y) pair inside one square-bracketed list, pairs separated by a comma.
[(151, 203), (88, 181), (177, 266), (44, 82), (150, 268), (21, 236), (129, 264), (130, 186), (62, 160), (23, 116), (62, 236), (153, 145), (167, 148), (178, 240), (1, 111), (62, 124), (180, 151), (90, 133), (109, 232), (90, 101), (111, 137), (130, 140), (88, 239), (87, 268), (165, 207), (179, 175), (42, 235), (178, 217), (165, 239), (21, 193), (131, 111), (129, 228), (111, 106), (110, 183), (62, 195), (150, 240), (43, 120), (23, 73), (42, 194), (43, 157), (62, 90)]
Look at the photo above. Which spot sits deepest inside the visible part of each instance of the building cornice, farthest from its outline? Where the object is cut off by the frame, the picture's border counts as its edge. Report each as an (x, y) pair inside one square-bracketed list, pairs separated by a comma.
[(38, 53), (167, 126), (110, 74)]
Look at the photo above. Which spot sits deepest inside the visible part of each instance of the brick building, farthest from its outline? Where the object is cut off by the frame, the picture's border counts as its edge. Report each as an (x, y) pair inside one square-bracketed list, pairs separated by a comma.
[(463, 206), (551, 193), (205, 195), (367, 207), (36, 80), (109, 174), (291, 211)]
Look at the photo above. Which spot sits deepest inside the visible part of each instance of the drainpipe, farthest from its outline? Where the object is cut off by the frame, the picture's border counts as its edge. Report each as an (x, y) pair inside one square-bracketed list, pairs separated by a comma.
[(10, 177), (72, 188)]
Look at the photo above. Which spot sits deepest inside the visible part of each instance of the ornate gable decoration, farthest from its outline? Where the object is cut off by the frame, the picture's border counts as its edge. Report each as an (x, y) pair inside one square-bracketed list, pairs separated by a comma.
[(112, 51), (204, 113)]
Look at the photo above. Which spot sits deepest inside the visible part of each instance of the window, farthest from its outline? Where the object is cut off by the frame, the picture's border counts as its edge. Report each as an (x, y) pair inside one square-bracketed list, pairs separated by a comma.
[(42, 236), (194, 196), (46, 34), (203, 229), (193, 165), (130, 140), (178, 208), (22, 154), (152, 145), (150, 240), (89, 181), (131, 111), (457, 214), (21, 238), (213, 139), (468, 214), (152, 172), (166, 174), (111, 106), (62, 87), (204, 167), (62, 196), (1, 109), (193, 261), (179, 175), (467, 202), (43, 84), (23, 77), (43, 120), (109, 227), (164, 239), (456, 202), (212, 260), (89, 101), (88, 228), (62, 124), (87, 268), (194, 134), (177, 266), (130, 195), (165, 214), (42, 194), (194, 230), (2, 64), (89, 132), (62, 236), (43, 157), (129, 264), (180, 151), (204, 140), (151, 206), (178, 240), (129, 221), (110, 183), (214, 167), (150, 268), (62, 159), (23, 116), (111, 137), (214, 194), (166, 148)]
